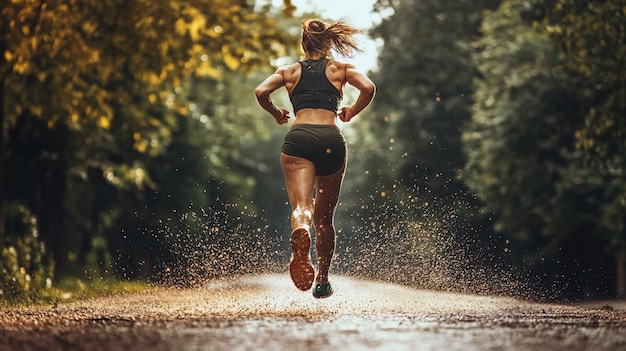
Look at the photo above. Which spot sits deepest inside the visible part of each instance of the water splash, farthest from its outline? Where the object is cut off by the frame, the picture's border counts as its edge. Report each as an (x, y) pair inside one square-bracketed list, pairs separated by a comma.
[(396, 247), (209, 244), (422, 247)]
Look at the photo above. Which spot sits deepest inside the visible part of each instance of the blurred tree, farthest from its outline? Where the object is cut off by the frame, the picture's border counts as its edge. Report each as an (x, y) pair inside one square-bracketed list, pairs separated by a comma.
[(590, 37), (86, 100), (426, 96), (409, 145), (213, 184), (523, 162)]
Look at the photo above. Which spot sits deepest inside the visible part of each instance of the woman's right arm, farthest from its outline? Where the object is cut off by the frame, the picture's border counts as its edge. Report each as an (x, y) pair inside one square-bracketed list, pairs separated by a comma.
[(263, 91), (366, 88)]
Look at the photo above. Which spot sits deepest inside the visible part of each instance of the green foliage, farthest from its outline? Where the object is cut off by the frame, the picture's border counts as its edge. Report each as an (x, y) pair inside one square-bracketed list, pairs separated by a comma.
[(25, 270), (590, 38), (523, 161), (132, 139), (407, 149), (425, 94), (516, 123), (103, 143), (108, 68), (511, 107), (204, 213)]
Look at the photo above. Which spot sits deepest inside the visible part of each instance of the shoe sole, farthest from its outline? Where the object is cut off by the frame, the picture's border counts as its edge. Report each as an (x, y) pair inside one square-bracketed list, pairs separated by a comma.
[(300, 268), (330, 293)]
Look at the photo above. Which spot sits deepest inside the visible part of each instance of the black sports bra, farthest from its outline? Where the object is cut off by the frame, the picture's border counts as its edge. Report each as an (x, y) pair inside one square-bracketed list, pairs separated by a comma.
[(313, 89)]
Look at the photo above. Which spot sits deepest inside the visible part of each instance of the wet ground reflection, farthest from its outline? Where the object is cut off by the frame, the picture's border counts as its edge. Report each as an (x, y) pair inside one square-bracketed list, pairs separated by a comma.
[(268, 313), (274, 294)]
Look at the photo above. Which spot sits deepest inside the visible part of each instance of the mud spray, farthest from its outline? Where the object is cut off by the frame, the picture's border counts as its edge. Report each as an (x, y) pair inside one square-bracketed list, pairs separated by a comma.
[(397, 247), (206, 245), (425, 252)]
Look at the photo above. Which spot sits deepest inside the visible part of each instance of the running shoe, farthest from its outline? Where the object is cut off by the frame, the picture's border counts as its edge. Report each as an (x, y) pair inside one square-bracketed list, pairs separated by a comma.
[(322, 290), (300, 268)]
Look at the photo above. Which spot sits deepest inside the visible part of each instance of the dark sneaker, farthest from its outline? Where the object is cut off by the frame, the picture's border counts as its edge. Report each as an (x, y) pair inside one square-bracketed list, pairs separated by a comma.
[(300, 268), (322, 290)]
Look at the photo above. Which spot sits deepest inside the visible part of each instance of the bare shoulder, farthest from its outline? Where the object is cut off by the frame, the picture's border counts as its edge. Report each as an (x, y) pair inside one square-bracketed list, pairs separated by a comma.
[(291, 75), (336, 70), (288, 69), (339, 66)]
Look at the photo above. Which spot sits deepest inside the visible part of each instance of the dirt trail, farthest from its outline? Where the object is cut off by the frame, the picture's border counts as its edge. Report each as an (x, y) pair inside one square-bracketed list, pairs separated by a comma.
[(268, 313)]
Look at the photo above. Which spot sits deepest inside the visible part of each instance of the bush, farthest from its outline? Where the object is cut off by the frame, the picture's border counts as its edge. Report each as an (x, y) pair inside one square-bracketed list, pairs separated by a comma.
[(25, 269)]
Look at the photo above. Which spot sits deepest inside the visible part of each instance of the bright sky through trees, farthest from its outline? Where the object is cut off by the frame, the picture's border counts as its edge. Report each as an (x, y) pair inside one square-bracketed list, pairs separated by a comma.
[(356, 13)]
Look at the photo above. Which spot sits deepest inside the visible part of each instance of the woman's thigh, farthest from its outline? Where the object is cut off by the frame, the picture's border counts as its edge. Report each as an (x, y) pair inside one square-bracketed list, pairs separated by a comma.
[(299, 179), (328, 189)]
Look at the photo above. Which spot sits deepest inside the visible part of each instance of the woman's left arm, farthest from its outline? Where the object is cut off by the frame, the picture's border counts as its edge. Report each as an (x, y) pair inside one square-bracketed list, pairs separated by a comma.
[(366, 88)]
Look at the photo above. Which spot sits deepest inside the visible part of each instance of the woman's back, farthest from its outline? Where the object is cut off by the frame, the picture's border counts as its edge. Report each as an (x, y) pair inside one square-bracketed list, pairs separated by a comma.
[(334, 73)]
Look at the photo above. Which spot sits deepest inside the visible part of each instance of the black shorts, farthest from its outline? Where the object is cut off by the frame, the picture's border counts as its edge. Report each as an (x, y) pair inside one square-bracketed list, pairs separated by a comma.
[(321, 144)]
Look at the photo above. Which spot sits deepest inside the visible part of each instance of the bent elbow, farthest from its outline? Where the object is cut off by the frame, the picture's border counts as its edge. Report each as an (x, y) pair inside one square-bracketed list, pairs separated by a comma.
[(370, 89), (258, 92)]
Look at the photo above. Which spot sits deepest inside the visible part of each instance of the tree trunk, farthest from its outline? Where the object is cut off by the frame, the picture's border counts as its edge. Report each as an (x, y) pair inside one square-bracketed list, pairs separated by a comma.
[(51, 185), (2, 152), (620, 274)]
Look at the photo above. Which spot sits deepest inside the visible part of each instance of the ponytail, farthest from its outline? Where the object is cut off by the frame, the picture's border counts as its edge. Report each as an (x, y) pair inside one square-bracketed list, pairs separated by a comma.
[(318, 36)]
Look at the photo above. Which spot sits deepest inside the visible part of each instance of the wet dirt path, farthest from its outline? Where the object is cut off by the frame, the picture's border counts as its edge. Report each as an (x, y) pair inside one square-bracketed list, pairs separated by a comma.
[(268, 313)]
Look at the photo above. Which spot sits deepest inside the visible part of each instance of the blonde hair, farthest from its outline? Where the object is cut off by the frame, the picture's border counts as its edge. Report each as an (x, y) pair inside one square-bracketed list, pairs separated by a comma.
[(321, 37)]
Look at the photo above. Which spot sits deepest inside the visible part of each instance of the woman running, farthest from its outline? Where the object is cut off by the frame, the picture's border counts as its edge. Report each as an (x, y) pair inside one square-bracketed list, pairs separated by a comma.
[(314, 155)]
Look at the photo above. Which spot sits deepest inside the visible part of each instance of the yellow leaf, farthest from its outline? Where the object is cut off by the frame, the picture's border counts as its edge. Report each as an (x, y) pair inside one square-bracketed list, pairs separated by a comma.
[(36, 110), (95, 56), (230, 61), (20, 67), (215, 31), (151, 77), (196, 26), (181, 26), (207, 70), (164, 46), (104, 123), (141, 146)]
